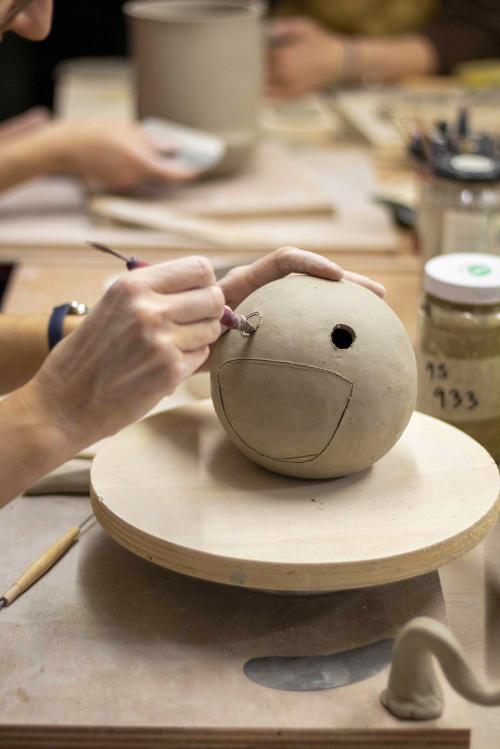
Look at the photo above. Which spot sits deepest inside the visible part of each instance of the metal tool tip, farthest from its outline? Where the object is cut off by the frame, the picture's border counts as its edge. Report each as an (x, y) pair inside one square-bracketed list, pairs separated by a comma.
[(87, 520), (109, 250), (247, 328), (3, 603), (248, 325)]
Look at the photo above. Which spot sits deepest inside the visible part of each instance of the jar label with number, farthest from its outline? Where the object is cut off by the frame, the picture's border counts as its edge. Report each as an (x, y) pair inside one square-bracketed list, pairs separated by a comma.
[(459, 389)]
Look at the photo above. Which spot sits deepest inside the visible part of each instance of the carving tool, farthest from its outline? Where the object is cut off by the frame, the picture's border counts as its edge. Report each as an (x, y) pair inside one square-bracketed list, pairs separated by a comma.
[(12, 13), (230, 319), (47, 560)]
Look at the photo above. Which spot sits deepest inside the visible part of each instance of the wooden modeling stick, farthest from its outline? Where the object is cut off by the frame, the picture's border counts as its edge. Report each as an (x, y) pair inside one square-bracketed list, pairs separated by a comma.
[(230, 319), (47, 560)]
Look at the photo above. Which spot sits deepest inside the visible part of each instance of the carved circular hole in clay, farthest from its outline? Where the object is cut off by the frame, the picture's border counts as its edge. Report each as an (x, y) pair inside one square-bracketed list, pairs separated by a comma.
[(343, 336)]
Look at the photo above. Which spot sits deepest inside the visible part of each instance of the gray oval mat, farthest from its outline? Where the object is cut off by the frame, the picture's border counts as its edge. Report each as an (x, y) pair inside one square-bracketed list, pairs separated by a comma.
[(311, 673)]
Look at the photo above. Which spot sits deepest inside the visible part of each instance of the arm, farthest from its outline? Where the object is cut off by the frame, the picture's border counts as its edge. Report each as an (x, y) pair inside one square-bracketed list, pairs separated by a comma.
[(306, 57), (119, 157), (389, 58), (24, 123), (150, 331), (23, 338), (32, 442), (22, 159), (24, 347), (310, 57)]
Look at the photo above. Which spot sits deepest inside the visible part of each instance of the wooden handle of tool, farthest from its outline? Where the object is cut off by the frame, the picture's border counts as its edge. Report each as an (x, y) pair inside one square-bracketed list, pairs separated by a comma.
[(32, 573)]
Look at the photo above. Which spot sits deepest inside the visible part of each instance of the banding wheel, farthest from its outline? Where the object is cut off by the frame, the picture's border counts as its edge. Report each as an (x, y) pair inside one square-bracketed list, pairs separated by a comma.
[(174, 490)]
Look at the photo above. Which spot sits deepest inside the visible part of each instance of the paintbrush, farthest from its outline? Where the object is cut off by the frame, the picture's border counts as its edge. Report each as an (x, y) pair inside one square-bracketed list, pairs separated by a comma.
[(12, 13), (47, 560), (230, 319)]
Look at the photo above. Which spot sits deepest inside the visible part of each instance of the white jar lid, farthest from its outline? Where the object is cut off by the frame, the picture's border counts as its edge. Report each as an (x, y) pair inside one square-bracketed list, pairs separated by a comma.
[(472, 162), (464, 277)]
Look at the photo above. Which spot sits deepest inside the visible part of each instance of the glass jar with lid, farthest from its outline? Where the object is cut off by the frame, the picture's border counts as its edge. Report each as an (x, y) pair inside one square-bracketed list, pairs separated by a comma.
[(458, 347), (459, 205)]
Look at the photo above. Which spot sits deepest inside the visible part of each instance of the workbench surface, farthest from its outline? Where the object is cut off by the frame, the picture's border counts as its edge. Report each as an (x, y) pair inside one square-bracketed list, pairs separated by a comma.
[(92, 593)]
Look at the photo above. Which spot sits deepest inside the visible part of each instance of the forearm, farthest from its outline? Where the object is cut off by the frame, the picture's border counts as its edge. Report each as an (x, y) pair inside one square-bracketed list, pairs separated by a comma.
[(32, 443), (388, 58), (41, 153), (24, 124), (19, 162), (24, 347)]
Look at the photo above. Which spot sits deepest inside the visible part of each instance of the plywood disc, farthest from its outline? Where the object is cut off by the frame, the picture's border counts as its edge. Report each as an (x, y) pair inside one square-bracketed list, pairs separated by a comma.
[(173, 490)]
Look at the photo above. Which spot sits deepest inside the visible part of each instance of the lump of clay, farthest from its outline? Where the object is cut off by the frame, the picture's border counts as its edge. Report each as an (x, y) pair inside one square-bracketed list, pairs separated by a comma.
[(326, 384)]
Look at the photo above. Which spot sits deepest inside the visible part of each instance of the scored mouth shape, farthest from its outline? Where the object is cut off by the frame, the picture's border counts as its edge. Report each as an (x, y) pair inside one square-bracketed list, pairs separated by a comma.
[(283, 411)]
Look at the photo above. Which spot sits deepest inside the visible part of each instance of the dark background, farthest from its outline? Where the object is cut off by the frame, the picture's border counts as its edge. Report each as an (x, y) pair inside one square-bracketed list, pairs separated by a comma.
[(82, 28)]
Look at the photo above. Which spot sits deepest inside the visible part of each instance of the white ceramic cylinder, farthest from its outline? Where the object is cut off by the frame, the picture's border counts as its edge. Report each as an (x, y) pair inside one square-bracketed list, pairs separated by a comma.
[(200, 64)]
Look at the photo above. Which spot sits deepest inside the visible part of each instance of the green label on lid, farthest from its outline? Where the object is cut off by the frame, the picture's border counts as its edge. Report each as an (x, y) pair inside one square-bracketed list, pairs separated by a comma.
[(479, 270)]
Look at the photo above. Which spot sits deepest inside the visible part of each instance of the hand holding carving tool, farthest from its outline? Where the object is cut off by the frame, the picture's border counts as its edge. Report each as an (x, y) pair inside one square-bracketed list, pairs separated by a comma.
[(230, 319)]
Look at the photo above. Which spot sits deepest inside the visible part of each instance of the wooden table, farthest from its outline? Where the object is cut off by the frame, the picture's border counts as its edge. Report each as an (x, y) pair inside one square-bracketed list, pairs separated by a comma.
[(471, 585), (43, 278), (109, 651)]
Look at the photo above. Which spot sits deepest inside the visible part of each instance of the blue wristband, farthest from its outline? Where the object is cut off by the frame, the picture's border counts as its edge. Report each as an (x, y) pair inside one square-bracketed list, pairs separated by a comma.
[(56, 320)]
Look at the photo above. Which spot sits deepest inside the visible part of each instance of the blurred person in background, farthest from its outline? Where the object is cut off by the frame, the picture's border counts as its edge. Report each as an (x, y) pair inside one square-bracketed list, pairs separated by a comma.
[(319, 43), (152, 329), (121, 157), (315, 43), (80, 28)]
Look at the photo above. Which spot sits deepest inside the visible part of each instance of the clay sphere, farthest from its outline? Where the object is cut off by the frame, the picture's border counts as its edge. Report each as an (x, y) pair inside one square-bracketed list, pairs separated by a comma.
[(326, 384)]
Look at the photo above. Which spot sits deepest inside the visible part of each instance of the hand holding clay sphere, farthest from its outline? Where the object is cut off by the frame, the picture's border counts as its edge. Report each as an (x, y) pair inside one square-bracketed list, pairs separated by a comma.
[(326, 384)]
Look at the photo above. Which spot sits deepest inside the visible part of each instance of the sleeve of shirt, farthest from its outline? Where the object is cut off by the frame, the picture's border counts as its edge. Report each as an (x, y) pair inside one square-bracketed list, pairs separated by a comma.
[(465, 30)]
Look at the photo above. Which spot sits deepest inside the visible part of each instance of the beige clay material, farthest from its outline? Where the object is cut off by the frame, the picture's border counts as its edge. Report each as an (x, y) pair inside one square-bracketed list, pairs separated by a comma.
[(413, 691), (324, 387), (174, 490)]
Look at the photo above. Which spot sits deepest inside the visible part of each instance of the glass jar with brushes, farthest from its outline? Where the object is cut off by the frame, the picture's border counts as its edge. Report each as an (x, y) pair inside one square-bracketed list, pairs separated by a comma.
[(459, 206), (458, 346)]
